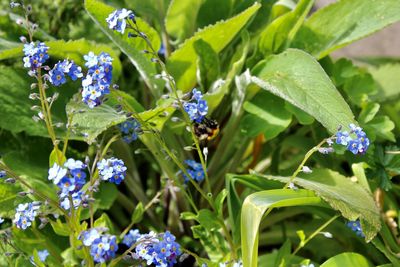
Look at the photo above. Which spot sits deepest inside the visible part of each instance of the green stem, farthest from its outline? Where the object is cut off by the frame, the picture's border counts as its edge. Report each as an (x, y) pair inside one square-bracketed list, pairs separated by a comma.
[(322, 227)]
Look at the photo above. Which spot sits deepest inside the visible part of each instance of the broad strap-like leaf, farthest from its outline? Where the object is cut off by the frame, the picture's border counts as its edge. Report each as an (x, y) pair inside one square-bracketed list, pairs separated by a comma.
[(298, 78), (351, 199), (132, 47), (344, 22), (253, 209), (347, 259), (182, 63)]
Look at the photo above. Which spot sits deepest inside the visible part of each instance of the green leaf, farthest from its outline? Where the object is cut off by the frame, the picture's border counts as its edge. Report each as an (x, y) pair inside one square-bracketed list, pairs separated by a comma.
[(15, 104), (73, 50), (180, 20), (296, 77), (214, 97), (91, 122), (60, 228), (266, 116), (321, 33), (34, 172), (368, 112), (281, 31), (137, 214), (300, 115), (253, 209), (381, 126), (8, 196), (132, 47), (105, 221), (387, 77), (208, 219), (208, 67), (182, 63), (347, 259), (282, 253), (219, 201), (56, 156), (351, 199), (37, 260), (106, 196)]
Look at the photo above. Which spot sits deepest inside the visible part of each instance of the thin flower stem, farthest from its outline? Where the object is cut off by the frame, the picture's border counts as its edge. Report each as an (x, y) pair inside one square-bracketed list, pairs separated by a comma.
[(35, 192), (174, 88), (151, 202), (322, 227), (305, 159)]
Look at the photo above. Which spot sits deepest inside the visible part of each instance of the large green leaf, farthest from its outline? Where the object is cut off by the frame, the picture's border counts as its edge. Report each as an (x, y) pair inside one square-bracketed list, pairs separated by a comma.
[(296, 77), (74, 50), (387, 77), (180, 20), (253, 209), (182, 63), (279, 33), (347, 259), (132, 47), (16, 114), (266, 115), (91, 122), (344, 22), (351, 199)]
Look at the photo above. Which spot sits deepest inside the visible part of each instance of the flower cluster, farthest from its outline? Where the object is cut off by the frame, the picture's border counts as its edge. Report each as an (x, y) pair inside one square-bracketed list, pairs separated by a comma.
[(232, 264), (102, 246), (195, 171), (70, 179), (356, 141), (57, 74), (130, 130), (158, 249), (131, 237), (97, 82), (25, 214), (42, 254), (112, 170), (117, 20), (355, 226), (197, 107), (35, 55)]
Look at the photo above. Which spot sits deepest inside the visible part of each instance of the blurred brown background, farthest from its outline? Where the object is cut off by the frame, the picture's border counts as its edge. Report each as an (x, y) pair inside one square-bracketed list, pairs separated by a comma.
[(383, 43)]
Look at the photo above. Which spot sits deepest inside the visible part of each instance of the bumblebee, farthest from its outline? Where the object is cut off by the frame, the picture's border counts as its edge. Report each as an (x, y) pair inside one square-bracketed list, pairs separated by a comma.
[(207, 129)]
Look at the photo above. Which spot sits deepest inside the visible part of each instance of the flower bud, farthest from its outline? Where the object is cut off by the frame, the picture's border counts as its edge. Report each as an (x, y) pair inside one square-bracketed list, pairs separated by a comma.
[(23, 39)]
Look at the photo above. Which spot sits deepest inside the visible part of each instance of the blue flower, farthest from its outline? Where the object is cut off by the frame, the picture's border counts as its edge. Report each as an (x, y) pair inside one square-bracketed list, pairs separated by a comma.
[(197, 109), (57, 74), (56, 173), (97, 82), (160, 250), (112, 170), (57, 77), (195, 171), (25, 214), (131, 237), (102, 246), (117, 20), (3, 174), (70, 179), (35, 55), (91, 60), (356, 141), (355, 226), (131, 129)]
